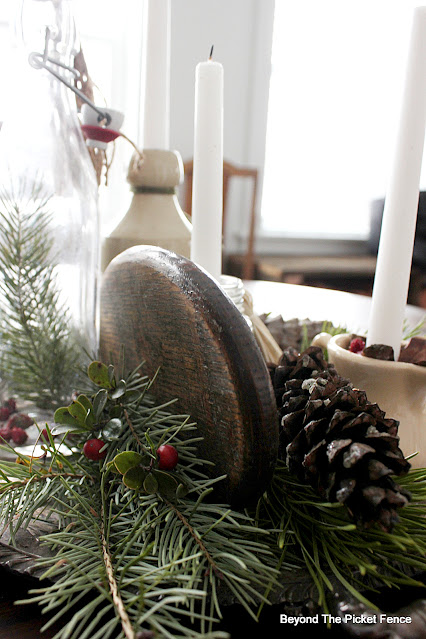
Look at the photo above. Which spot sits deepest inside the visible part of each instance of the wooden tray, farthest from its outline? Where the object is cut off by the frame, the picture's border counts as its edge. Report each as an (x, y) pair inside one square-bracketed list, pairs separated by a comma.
[(171, 314)]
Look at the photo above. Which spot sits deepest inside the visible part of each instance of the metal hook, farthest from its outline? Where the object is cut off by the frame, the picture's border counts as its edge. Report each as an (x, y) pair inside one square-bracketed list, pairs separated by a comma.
[(41, 60)]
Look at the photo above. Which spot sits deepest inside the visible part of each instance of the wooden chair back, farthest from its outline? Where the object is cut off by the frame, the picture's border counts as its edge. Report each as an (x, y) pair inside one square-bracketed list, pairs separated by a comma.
[(229, 171)]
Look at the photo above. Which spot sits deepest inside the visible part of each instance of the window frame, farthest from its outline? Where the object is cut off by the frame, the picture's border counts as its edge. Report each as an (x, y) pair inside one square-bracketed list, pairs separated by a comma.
[(268, 241)]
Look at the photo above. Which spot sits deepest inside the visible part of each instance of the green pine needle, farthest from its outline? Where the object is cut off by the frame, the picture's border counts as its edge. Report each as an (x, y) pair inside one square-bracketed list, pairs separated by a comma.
[(414, 331), (318, 536), (142, 561), (39, 355)]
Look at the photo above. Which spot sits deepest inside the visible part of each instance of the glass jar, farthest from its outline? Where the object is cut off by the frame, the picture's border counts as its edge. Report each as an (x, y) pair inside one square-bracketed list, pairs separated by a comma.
[(44, 160), (234, 288), (49, 237)]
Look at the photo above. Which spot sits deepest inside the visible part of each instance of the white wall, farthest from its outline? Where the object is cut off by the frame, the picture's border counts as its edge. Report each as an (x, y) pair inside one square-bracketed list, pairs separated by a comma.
[(196, 25), (238, 29)]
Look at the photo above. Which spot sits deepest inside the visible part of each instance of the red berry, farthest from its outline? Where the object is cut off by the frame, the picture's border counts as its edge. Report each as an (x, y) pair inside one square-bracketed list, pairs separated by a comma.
[(5, 433), (167, 457), (4, 413), (44, 435), (357, 345), (92, 449), (19, 436), (19, 420), (10, 404)]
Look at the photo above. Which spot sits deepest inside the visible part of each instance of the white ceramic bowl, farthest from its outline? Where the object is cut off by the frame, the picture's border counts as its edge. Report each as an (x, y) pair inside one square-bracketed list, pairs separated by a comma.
[(397, 387)]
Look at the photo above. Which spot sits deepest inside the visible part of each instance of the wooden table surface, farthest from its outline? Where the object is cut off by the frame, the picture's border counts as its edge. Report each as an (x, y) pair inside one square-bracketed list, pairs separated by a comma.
[(343, 309), (25, 622)]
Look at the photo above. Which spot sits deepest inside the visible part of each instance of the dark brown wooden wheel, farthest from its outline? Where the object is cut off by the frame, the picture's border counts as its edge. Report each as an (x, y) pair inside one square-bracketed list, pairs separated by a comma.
[(168, 312)]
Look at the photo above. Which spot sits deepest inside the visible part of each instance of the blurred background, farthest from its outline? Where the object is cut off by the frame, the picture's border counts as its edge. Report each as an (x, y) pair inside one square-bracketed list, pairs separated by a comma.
[(312, 96)]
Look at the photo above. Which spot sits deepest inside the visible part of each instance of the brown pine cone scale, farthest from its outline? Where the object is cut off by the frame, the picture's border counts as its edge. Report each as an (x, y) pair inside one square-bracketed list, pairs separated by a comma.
[(335, 439)]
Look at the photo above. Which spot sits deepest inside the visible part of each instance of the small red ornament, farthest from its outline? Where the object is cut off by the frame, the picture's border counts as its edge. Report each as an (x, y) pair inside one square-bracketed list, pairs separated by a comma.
[(167, 457), (4, 413), (99, 133), (357, 345), (20, 420), (19, 436), (10, 404), (5, 433), (92, 449)]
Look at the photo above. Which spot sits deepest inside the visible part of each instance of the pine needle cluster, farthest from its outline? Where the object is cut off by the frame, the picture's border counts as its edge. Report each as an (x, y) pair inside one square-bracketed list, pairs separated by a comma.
[(39, 356), (318, 536), (161, 560), (130, 561)]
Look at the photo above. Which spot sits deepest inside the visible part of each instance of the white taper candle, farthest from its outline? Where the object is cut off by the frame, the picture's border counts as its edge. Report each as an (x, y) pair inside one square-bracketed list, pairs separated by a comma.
[(207, 186), (156, 69), (400, 213)]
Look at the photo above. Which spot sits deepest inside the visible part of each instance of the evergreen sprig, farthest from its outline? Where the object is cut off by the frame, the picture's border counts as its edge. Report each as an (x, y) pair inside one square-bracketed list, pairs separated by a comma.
[(134, 561), (159, 562), (319, 537), (39, 355)]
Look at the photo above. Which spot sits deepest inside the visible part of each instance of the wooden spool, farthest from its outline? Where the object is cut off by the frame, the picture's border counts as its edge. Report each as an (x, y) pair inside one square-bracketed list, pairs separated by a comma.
[(168, 312)]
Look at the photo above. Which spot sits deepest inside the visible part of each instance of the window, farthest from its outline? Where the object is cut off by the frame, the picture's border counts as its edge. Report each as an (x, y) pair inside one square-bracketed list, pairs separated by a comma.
[(337, 78)]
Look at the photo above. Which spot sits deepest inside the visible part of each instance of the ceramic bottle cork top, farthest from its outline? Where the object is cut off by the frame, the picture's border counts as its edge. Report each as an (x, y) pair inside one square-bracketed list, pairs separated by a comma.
[(155, 216)]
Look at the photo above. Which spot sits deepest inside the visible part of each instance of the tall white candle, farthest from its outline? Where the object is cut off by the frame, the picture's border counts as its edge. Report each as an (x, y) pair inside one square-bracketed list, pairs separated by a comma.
[(156, 66), (207, 184), (399, 217)]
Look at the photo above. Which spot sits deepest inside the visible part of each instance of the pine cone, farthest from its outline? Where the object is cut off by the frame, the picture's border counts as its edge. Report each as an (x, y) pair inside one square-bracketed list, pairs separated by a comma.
[(335, 439)]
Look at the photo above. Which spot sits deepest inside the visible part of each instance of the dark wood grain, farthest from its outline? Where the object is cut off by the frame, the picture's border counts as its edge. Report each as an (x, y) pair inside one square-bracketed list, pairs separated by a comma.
[(168, 312)]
